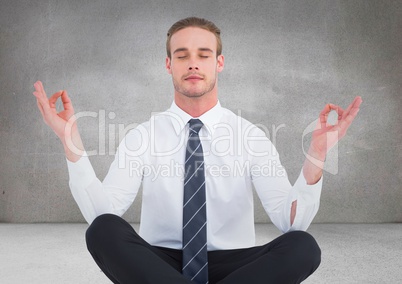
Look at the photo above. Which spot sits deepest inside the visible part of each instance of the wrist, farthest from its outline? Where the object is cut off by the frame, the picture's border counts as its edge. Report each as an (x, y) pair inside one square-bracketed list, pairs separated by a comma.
[(72, 143), (316, 154), (313, 166)]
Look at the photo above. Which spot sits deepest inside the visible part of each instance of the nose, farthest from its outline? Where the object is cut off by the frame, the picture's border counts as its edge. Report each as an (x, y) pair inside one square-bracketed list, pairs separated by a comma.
[(193, 65)]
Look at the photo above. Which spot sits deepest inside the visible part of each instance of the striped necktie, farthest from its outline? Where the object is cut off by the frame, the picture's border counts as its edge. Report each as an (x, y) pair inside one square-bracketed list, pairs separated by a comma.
[(195, 258)]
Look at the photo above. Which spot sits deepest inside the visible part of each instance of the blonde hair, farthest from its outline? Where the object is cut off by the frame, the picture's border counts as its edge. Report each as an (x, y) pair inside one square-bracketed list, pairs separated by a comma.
[(195, 22)]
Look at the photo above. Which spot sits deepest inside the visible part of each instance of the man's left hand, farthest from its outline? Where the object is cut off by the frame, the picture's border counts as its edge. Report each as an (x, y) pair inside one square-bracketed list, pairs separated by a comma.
[(326, 135)]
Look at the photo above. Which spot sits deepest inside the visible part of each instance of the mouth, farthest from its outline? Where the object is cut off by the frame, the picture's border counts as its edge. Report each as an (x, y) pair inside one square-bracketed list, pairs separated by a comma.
[(193, 78)]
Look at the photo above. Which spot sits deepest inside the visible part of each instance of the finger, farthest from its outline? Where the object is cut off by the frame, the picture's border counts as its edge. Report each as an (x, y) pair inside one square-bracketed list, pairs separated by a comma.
[(346, 121), (42, 100), (39, 95), (41, 86), (356, 103), (324, 115), (352, 115), (40, 108), (325, 112), (338, 110), (348, 109), (39, 89), (37, 86), (67, 104), (53, 99), (36, 94)]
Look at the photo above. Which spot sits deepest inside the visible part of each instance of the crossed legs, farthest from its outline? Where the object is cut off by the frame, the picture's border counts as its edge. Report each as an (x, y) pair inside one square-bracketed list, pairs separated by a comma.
[(125, 257)]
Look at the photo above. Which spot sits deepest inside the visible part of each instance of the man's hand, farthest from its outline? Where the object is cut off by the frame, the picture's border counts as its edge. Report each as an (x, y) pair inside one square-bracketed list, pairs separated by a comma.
[(58, 122), (326, 136), (63, 123)]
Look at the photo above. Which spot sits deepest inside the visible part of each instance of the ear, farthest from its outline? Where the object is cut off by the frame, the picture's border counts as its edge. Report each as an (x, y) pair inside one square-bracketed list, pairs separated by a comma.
[(220, 63), (168, 65)]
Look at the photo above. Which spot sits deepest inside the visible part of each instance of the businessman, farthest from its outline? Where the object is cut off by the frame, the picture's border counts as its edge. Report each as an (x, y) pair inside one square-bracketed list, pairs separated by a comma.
[(197, 163)]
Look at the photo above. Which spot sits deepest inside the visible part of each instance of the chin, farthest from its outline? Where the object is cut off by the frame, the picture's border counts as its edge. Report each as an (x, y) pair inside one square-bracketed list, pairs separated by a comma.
[(194, 95)]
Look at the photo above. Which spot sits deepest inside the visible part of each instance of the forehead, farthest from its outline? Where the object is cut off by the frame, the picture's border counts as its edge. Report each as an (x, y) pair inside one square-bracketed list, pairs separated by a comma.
[(193, 38)]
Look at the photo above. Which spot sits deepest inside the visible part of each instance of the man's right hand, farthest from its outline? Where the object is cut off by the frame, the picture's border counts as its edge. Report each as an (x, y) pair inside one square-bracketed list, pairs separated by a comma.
[(58, 122), (63, 123)]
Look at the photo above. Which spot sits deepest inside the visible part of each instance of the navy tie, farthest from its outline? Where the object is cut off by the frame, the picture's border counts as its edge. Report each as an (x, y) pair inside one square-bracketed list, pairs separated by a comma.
[(195, 258)]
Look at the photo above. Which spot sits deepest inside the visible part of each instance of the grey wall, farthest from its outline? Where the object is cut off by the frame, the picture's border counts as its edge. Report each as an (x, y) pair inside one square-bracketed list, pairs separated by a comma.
[(284, 61)]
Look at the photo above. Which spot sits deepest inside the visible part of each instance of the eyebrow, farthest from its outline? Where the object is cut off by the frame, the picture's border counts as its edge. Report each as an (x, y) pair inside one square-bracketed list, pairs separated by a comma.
[(200, 49)]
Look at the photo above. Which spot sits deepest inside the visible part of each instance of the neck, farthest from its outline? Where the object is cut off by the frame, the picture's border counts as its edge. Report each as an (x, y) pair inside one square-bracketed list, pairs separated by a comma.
[(196, 106)]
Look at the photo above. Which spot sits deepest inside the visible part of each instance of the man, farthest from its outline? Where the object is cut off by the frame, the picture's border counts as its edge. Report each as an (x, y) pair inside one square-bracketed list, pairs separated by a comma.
[(197, 163)]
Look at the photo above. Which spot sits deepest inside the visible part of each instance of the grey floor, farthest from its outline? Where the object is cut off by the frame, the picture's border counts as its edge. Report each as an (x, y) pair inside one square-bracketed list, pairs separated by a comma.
[(56, 253)]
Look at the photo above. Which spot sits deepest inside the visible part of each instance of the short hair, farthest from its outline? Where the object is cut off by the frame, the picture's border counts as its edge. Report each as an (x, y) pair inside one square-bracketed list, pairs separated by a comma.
[(198, 23)]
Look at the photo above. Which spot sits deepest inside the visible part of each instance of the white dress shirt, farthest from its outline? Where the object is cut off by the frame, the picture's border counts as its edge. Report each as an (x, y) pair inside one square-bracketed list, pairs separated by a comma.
[(237, 155)]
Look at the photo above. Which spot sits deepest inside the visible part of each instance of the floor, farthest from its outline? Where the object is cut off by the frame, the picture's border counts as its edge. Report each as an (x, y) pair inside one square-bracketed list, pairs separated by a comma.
[(56, 253)]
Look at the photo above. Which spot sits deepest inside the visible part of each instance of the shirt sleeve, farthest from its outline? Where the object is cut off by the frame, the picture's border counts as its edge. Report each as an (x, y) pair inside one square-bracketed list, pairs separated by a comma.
[(277, 194), (308, 202), (119, 188)]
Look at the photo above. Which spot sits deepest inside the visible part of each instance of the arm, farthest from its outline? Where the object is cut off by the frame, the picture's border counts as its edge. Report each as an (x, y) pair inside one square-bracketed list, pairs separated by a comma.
[(275, 191), (93, 197), (325, 137)]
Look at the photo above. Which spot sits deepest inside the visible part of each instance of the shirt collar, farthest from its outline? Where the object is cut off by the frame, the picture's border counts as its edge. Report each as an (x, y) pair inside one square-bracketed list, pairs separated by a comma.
[(180, 118)]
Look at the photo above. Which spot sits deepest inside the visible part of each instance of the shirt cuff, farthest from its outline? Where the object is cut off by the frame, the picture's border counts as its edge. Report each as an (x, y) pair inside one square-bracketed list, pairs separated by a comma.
[(310, 193), (81, 171), (308, 202)]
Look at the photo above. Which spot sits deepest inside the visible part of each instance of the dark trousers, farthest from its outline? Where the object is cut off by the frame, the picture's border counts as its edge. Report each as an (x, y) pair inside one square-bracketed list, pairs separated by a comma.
[(126, 258)]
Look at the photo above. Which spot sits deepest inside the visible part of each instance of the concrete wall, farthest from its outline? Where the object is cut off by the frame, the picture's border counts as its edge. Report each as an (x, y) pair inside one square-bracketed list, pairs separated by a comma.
[(284, 61)]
